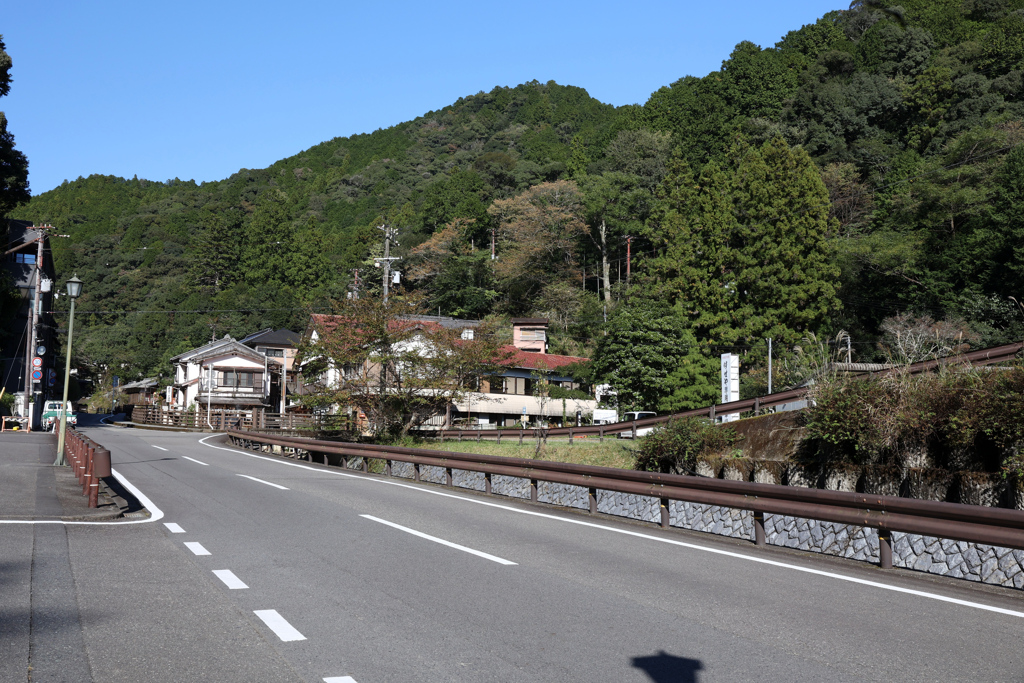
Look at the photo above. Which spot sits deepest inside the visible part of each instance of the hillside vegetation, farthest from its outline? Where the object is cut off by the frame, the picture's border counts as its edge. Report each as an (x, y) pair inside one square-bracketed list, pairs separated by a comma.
[(866, 168)]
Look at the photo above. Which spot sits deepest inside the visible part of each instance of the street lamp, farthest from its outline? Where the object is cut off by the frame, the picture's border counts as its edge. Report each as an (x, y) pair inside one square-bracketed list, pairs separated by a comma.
[(74, 290)]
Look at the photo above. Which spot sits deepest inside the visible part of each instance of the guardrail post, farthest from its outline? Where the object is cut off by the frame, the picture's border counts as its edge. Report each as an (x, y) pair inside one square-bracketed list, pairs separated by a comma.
[(711, 413), (387, 467), (634, 429), (448, 476), (570, 436), (884, 549), (664, 513), (479, 433), (415, 471), (533, 490), (600, 438), (759, 536), (757, 406), (366, 465), (499, 436), (460, 436), (487, 482), (520, 437), (592, 498), (100, 469)]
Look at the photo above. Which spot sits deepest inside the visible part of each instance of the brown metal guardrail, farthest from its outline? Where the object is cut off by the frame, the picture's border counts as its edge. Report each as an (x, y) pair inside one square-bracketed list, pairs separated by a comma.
[(89, 461), (884, 514), (989, 356)]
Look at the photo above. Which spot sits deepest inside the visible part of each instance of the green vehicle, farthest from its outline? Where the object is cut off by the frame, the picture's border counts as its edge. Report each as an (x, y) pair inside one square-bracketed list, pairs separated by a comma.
[(51, 415)]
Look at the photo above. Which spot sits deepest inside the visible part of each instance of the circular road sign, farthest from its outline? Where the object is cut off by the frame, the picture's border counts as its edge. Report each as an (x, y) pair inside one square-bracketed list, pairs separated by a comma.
[(37, 375), (37, 362)]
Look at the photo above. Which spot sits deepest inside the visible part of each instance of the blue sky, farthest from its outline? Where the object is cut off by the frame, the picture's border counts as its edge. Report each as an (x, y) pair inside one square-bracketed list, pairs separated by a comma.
[(197, 90)]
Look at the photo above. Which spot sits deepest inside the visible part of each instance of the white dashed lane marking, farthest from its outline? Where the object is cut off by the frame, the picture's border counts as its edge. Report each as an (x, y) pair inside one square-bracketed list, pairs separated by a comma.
[(276, 486), (435, 539), (229, 579), (158, 447), (174, 528), (200, 462), (197, 548), (278, 625)]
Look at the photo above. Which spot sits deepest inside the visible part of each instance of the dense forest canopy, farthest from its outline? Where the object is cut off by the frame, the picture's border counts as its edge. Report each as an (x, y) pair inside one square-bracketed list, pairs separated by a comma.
[(867, 166)]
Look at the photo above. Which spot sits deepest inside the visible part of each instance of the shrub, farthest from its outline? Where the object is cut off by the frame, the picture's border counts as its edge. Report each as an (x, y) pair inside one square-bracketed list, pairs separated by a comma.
[(676, 447)]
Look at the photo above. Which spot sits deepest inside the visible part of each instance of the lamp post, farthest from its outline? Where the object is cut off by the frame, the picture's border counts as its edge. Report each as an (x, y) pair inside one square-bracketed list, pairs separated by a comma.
[(74, 290)]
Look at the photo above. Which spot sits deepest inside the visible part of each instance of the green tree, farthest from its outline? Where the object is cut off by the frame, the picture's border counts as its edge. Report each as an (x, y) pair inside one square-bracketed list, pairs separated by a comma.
[(13, 164), (747, 252), (652, 360)]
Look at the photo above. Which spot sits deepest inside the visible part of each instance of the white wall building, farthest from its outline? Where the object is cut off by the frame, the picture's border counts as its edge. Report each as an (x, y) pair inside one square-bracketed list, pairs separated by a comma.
[(222, 374)]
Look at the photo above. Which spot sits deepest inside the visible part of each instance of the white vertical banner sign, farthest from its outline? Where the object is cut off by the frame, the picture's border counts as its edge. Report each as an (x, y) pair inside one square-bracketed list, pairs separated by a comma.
[(730, 382)]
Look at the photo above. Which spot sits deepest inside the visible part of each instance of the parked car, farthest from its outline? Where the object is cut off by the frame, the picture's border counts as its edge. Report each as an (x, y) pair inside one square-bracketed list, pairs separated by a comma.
[(633, 416), (51, 415)]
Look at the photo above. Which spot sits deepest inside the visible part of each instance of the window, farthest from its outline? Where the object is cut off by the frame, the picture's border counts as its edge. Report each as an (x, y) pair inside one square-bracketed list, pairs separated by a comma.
[(532, 335), (25, 258), (273, 353), (240, 378)]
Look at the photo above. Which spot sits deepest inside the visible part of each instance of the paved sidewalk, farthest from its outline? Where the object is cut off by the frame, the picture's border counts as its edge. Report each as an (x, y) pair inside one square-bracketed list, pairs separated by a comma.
[(31, 488)]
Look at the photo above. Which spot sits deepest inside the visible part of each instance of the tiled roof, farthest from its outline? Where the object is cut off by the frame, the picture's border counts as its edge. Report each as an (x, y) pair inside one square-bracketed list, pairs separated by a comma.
[(539, 361)]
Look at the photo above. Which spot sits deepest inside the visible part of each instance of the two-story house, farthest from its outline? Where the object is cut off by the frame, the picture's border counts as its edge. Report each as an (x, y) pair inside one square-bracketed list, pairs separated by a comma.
[(280, 347), (224, 374), (524, 392)]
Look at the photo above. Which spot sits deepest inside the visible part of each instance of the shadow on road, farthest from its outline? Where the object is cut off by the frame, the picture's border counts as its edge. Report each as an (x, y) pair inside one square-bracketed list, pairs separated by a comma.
[(666, 668)]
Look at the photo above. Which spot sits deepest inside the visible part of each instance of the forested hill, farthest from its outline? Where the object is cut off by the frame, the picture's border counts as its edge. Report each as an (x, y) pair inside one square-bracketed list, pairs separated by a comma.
[(906, 123)]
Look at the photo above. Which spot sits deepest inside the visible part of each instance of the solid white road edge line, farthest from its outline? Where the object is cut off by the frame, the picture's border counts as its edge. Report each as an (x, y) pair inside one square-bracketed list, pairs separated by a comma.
[(276, 486), (278, 625), (435, 539), (196, 548), (200, 462), (229, 579), (339, 679), (155, 446), (174, 528), (637, 534), (156, 513)]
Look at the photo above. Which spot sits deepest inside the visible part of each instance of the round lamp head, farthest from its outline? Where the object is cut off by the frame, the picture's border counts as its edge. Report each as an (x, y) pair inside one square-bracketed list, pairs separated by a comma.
[(74, 287)]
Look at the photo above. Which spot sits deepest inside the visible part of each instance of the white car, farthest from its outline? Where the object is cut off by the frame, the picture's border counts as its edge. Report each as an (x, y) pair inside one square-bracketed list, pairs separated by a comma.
[(634, 415)]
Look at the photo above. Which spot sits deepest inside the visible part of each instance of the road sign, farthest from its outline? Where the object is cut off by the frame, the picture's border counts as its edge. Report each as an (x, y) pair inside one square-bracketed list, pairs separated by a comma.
[(37, 375), (37, 362)]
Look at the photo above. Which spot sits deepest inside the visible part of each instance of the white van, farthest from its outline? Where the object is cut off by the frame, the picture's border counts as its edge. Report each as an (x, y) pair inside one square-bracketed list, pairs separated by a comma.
[(637, 415)]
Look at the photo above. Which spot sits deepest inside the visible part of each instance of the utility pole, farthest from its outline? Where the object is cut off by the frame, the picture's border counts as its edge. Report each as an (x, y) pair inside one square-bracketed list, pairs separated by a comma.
[(33, 322), (769, 365), (492, 243), (390, 234), (354, 287)]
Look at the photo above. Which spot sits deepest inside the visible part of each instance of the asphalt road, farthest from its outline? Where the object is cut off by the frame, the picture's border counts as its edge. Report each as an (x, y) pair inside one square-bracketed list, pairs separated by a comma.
[(262, 569)]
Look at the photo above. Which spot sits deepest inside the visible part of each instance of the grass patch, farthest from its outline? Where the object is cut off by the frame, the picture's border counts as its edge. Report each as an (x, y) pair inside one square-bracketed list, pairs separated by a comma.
[(611, 453)]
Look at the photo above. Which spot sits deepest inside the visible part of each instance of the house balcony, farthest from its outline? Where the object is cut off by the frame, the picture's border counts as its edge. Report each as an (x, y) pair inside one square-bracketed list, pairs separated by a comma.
[(229, 395)]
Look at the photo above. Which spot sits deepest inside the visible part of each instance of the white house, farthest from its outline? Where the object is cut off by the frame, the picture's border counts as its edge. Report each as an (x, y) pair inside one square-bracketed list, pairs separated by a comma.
[(522, 393), (222, 374)]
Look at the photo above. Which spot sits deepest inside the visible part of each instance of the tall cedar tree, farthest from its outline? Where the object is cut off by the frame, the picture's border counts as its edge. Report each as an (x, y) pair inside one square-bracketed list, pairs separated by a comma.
[(13, 164), (746, 251)]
